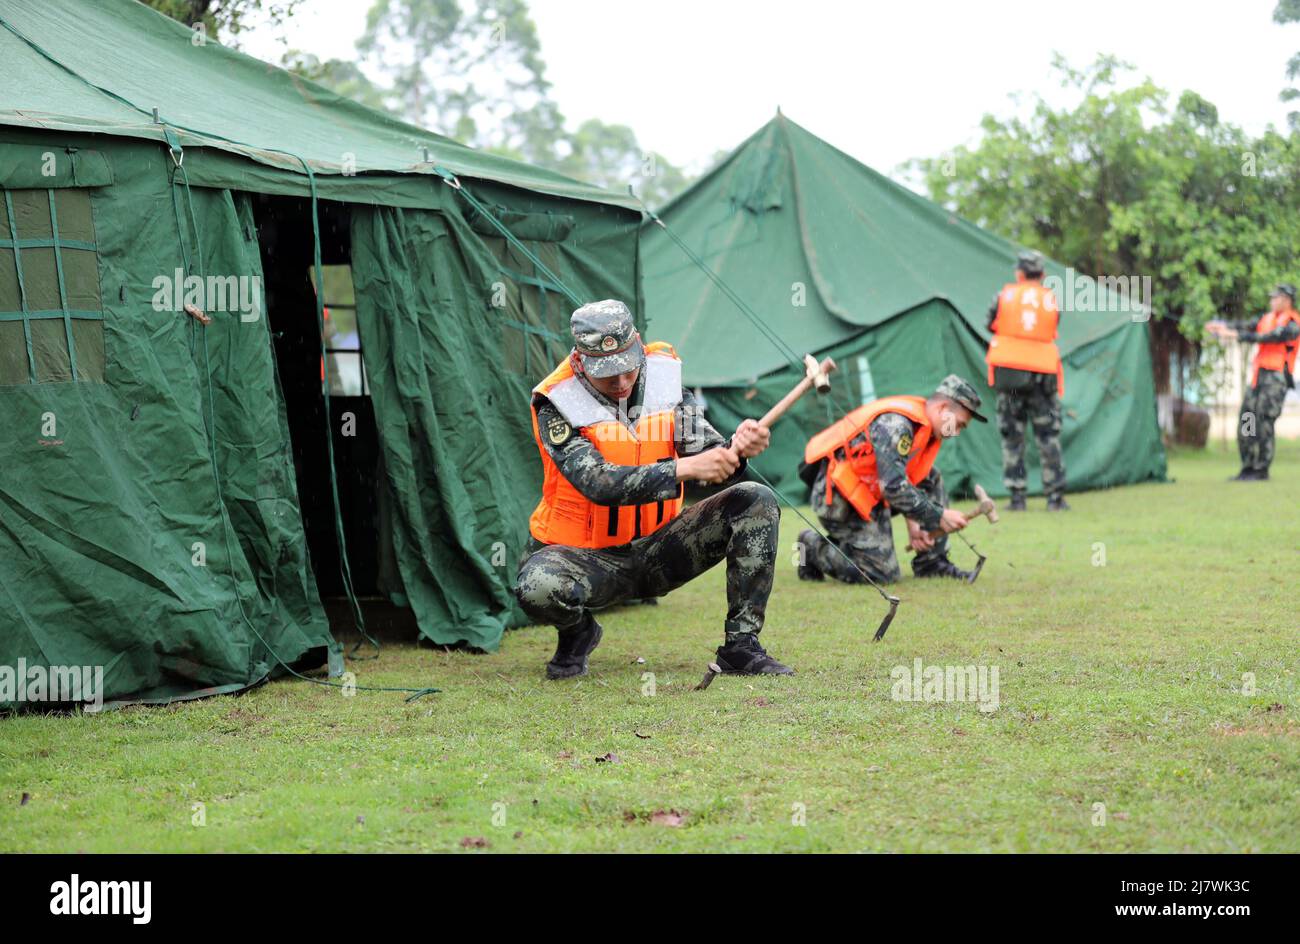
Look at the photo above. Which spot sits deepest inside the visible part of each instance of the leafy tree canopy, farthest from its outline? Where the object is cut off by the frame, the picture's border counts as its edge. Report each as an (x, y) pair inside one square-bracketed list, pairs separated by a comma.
[(1126, 182)]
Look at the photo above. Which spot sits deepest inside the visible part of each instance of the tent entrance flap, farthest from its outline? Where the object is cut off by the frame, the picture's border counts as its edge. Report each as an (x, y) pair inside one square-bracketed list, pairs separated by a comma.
[(284, 226)]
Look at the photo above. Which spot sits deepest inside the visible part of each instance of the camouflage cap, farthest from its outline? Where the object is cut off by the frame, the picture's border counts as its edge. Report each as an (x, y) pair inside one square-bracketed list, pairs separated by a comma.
[(960, 391), (1285, 288), (606, 339), (1030, 262)]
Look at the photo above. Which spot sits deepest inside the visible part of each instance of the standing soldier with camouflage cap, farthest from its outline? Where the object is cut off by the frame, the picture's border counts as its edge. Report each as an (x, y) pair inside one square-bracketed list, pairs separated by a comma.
[(619, 437), (876, 462), (1025, 370), (1272, 374)]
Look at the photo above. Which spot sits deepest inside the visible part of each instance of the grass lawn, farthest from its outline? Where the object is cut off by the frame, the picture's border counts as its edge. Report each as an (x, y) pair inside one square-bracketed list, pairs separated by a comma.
[(1119, 684)]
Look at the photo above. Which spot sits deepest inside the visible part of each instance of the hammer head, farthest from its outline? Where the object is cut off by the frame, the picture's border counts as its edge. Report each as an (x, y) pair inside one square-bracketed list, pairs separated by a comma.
[(818, 373), (987, 508)]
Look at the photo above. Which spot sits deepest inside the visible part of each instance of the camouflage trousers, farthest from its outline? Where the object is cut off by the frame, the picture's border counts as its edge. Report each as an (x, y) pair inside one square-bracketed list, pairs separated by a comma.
[(1259, 411), (558, 584), (869, 542), (1037, 406)]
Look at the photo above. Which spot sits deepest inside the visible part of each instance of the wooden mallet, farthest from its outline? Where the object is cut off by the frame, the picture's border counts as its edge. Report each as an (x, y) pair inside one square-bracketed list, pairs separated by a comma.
[(815, 376), (985, 508)]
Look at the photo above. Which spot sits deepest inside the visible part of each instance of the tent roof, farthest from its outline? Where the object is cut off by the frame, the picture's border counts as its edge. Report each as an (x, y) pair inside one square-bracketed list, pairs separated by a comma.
[(104, 67), (787, 209)]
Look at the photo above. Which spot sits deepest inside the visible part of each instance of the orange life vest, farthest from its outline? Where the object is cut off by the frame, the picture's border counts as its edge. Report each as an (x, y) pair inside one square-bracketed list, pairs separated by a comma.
[(1024, 332), (852, 469), (565, 515), (1278, 355)]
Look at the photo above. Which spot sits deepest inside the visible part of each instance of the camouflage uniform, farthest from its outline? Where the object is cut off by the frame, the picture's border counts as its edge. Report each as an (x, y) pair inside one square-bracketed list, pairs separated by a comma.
[(1039, 406), (1262, 404), (558, 584), (870, 542)]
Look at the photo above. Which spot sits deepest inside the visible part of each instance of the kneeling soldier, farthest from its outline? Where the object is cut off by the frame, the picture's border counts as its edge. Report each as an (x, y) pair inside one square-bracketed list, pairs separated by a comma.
[(618, 438), (878, 461)]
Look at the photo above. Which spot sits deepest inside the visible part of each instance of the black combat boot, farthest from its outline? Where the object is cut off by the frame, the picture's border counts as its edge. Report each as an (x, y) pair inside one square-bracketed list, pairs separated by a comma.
[(1017, 501), (1250, 475), (808, 569), (742, 655), (942, 567), (573, 648), (1057, 503)]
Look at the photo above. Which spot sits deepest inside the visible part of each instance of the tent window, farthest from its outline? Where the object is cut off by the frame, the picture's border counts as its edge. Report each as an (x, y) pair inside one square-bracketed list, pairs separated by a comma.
[(532, 310), (51, 315), (347, 368)]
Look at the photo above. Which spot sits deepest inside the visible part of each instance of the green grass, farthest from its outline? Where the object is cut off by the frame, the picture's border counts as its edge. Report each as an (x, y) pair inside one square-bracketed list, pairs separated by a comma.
[(1119, 684)]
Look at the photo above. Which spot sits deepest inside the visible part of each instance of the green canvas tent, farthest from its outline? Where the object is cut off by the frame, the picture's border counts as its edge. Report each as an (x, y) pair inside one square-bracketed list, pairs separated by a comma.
[(836, 259), (168, 491)]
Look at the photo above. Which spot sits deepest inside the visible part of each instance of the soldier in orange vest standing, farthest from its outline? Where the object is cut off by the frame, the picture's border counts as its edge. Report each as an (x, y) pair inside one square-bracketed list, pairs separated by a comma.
[(1272, 374), (1025, 370), (876, 462), (619, 437)]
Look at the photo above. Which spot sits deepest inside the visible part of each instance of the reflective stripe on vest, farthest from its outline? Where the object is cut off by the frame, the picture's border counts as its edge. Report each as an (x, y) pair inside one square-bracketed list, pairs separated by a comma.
[(852, 469), (1279, 355), (1024, 332), (566, 516)]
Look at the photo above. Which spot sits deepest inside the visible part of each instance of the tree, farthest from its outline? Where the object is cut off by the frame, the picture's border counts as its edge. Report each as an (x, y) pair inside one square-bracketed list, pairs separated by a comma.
[(473, 74), (224, 20), (1288, 11)]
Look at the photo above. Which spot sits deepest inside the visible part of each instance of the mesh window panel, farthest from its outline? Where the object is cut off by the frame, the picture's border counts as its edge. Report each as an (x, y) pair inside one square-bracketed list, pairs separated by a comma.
[(80, 277), (41, 279), (10, 298), (50, 347), (32, 214), (73, 208), (13, 353), (88, 339)]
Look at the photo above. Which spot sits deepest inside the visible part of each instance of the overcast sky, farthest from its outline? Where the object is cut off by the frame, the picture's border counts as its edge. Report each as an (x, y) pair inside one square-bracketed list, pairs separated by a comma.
[(884, 81)]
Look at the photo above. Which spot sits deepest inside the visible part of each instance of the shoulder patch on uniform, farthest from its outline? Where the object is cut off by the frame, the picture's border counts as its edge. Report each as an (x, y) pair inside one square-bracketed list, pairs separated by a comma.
[(558, 431), (905, 444)]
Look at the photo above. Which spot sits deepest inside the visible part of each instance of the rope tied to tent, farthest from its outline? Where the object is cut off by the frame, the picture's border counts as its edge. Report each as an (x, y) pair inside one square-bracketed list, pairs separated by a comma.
[(450, 180), (763, 328)]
